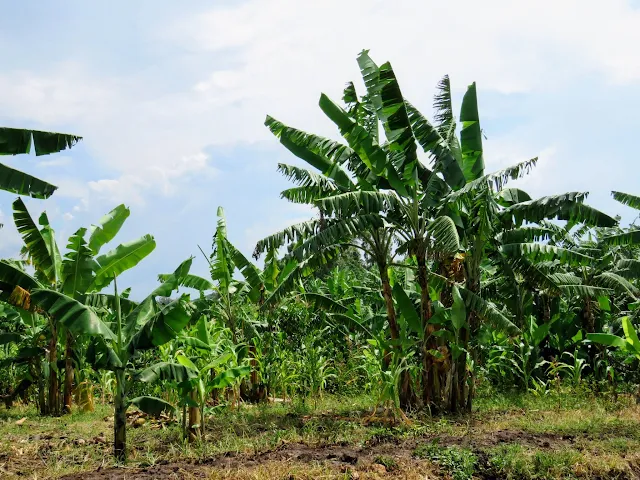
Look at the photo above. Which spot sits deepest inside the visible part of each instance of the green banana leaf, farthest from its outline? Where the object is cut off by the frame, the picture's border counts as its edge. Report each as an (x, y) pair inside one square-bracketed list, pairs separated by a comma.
[(153, 406), (34, 241), (161, 328), (49, 236), (122, 258), (407, 309), (78, 265), (15, 141), (471, 136), (107, 228), (15, 181), (229, 377), (75, 316), (165, 371)]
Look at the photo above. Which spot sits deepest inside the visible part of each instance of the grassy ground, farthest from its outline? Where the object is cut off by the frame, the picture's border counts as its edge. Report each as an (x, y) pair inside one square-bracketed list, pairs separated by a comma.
[(561, 435)]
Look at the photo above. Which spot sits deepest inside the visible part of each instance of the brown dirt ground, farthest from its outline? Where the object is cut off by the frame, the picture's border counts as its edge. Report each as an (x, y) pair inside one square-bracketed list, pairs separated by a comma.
[(332, 458)]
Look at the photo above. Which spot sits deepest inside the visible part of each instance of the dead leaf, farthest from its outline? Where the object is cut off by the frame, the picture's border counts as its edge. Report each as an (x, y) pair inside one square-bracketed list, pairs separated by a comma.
[(21, 421)]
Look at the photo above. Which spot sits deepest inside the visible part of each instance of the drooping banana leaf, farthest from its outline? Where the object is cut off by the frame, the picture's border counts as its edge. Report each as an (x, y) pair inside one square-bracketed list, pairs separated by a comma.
[(101, 356), (11, 277), (496, 180), (568, 206), (631, 237), (524, 235), (153, 406), (15, 141), (15, 181), (324, 154), (72, 314), (105, 300), (632, 201), (540, 252), (358, 202), (444, 233), (165, 371), (488, 310), (161, 328), (325, 302), (617, 283), (337, 231)]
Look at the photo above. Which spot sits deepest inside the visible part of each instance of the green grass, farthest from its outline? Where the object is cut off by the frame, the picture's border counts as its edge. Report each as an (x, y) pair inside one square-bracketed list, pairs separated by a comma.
[(563, 435), (459, 463)]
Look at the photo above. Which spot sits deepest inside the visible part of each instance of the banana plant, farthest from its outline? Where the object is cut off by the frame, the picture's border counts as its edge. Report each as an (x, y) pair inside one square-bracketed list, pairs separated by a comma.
[(24, 345), (198, 389), (228, 299), (149, 325), (222, 365), (628, 344), (81, 274)]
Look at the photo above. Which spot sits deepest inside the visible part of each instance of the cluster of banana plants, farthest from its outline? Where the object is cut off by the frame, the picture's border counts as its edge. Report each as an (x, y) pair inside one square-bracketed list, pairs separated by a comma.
[(420, 276), (409, 193)]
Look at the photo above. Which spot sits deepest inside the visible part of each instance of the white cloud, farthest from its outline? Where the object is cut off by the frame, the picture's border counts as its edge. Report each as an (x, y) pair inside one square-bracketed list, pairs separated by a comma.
[(11, 241), (67, 216), (288, 214), (125, 189), (148, 128), (282, 54), (83, 206), (58, 161)]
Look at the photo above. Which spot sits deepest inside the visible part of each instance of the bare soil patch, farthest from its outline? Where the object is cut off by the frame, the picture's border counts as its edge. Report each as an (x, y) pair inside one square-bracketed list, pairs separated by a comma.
[(338, 457)]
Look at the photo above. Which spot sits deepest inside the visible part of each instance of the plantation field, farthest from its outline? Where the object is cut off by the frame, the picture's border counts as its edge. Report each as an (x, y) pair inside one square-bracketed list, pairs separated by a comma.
[(560, 435), (426, 321)]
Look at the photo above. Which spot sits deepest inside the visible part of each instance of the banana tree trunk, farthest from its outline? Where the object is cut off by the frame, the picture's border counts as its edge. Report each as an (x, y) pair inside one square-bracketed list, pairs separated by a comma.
[(215, 393), (457, 380), (194, 418), (120, 419), (184, 421), (388, 300), (42, 402), (472, 283), (54, 389), (588, 317), (406, 394), (68, 373), (430, 384)]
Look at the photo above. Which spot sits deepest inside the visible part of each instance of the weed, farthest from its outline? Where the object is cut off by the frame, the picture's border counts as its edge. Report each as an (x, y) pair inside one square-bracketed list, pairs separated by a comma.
[(459, 463), (514, 461), (388, 462)]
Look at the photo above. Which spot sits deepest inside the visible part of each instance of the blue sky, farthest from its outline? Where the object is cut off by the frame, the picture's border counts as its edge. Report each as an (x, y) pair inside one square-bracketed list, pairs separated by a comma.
[(170, 98)]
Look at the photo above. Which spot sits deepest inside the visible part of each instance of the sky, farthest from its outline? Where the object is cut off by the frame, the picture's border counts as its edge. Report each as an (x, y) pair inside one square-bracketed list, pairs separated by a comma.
[(171, 97)]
